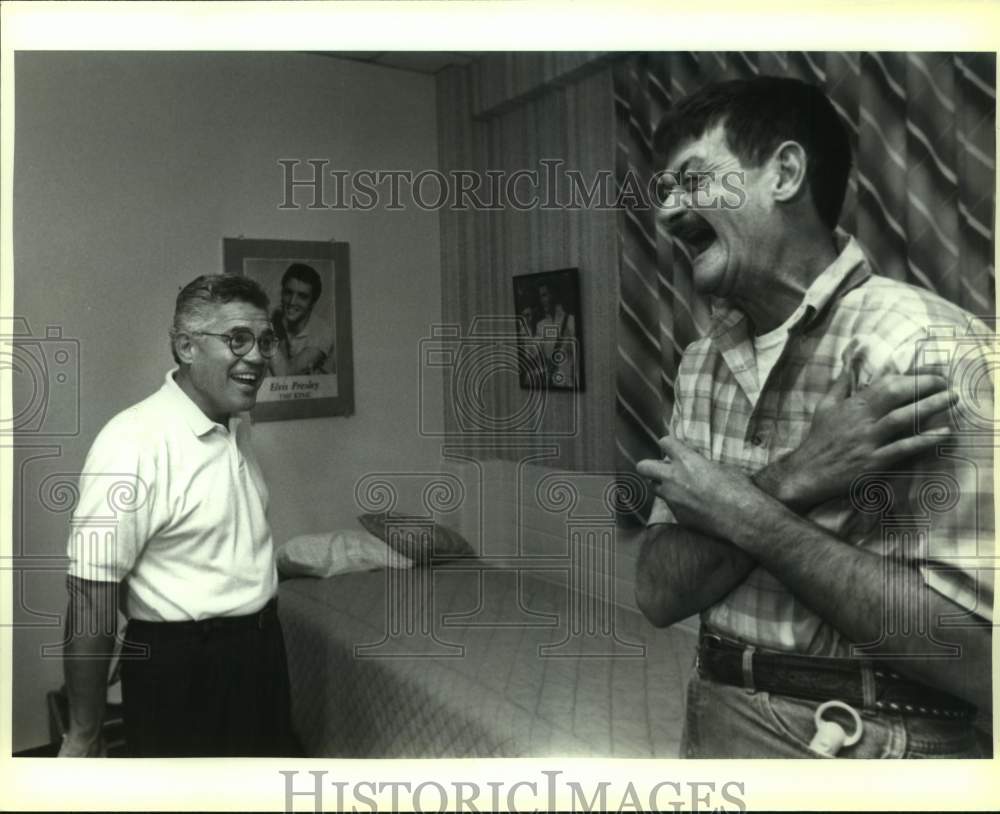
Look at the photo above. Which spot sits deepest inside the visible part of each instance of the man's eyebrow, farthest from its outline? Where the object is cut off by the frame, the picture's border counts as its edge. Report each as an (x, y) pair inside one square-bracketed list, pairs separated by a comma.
[(243, 325)]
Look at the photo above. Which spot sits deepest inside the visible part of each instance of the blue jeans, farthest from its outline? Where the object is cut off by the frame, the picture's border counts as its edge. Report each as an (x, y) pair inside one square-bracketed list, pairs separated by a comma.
[(723, 721)]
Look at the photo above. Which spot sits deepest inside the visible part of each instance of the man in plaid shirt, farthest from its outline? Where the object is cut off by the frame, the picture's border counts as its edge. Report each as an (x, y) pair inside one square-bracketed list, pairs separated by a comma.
[(825, 500)]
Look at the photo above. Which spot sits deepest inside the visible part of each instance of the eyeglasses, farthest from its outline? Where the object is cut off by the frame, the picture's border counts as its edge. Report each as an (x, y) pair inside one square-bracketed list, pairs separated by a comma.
[(242, 340)]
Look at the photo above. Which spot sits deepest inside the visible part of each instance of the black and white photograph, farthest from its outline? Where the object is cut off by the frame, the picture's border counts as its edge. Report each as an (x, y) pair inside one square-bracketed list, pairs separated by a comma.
[(310, 372), (497, 428), (548, 304)]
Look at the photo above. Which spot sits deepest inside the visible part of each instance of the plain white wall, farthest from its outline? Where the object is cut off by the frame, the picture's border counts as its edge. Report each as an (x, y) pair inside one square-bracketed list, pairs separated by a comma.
[(129, 171)]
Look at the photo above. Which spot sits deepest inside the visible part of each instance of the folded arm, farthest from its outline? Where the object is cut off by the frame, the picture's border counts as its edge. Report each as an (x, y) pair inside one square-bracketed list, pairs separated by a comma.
[(857, 591), (854, 590), (682, 570)]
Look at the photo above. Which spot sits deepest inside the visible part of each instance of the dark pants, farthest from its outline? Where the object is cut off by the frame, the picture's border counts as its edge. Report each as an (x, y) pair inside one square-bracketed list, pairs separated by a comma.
[(215, 688)]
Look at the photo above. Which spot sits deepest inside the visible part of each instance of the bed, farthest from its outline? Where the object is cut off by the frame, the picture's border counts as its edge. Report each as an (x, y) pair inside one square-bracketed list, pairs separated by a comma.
[(473, 660)]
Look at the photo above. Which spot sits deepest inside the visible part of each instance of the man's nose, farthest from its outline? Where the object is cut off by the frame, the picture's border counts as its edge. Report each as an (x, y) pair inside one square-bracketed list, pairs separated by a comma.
[(672, 208), (254, 356)]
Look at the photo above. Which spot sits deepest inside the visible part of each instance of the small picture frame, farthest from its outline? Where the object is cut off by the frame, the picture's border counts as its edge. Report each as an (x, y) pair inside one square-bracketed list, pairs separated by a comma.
[(309, 285), (550, 330)]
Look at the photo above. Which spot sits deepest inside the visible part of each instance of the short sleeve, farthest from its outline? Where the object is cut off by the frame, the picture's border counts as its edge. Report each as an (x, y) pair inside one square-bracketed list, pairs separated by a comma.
[(111, 521), (949, 492), (957, 492)]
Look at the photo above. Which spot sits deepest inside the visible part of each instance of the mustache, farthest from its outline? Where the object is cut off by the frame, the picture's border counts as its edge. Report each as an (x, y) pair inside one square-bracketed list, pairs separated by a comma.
[(688, 226), (691, 228)]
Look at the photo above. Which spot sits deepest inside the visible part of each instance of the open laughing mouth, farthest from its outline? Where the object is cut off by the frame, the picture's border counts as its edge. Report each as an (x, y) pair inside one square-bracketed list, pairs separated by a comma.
[(694, 233), (249, 381)]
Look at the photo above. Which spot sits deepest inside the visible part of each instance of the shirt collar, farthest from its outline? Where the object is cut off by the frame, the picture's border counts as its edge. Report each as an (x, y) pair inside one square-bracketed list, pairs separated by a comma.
[(190, 412), (849, 270)]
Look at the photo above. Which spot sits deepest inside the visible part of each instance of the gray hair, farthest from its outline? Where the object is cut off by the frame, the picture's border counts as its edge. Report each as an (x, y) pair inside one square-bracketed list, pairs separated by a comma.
[(197, 301)]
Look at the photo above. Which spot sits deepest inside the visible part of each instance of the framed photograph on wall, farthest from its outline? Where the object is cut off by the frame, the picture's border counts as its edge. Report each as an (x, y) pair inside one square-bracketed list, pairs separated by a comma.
[(550, 347), (309, 284)]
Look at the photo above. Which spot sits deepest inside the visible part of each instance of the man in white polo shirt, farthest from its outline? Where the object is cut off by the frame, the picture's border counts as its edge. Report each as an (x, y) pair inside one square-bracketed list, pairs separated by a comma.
[(204, 670)]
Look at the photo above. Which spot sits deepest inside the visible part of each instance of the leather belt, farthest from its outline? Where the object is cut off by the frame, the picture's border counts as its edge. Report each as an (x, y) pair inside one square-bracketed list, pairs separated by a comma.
[(859, 682), (204, 627)]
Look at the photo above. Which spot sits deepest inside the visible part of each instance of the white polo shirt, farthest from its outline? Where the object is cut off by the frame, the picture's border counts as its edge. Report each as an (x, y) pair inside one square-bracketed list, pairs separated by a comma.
[(175, 505)]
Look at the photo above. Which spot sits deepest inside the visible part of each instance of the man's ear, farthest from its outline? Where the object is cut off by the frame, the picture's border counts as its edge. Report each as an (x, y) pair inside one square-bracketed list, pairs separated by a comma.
[(790, 162), (183, 347)]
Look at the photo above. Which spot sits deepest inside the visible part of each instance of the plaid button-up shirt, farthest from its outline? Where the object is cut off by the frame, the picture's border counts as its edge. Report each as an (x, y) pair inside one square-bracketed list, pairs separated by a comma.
[(935, 512)]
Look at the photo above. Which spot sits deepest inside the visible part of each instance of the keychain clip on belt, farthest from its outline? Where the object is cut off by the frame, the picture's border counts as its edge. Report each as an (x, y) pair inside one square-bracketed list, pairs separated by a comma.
[(830, 736)]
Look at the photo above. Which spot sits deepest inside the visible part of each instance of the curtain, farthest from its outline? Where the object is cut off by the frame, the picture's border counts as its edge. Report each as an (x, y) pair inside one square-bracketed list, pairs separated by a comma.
[(920, 199), (506, 113)]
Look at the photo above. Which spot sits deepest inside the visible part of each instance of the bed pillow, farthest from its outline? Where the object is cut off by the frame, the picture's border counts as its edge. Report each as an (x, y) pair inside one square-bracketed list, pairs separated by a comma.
[(336, 552), (419, 544)]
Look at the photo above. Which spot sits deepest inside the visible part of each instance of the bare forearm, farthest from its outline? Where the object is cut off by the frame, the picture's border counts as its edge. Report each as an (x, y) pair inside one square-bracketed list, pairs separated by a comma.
[(91, 621), (781, 479), (681, 572), (86, 663), (858, 591), (871, 430)]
